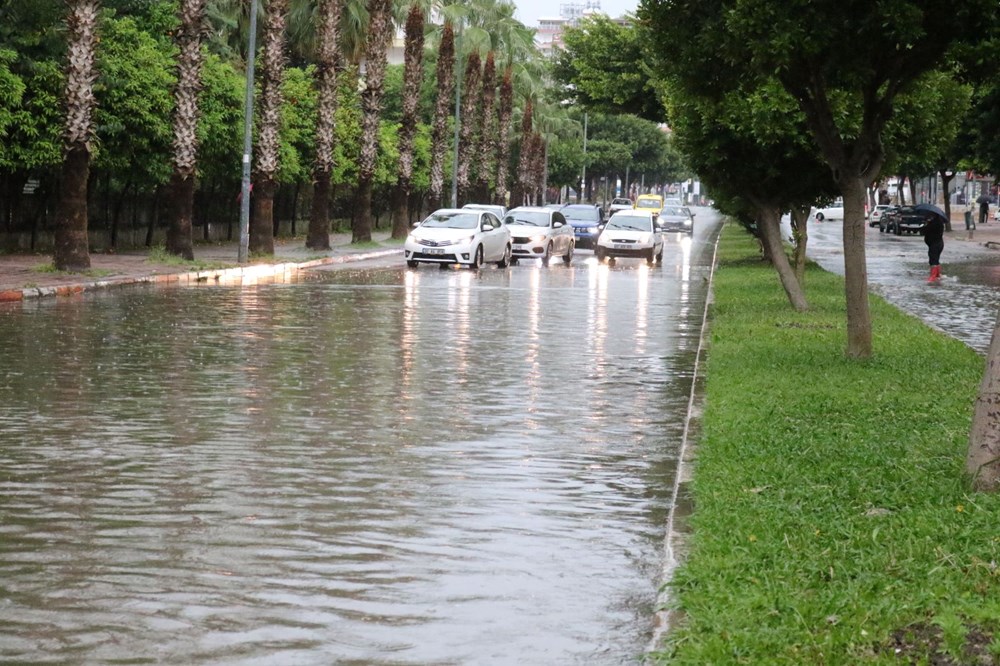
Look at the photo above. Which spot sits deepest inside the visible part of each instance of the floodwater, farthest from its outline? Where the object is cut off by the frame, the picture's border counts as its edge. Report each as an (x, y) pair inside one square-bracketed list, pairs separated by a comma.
[(378, 466), (964, 304)]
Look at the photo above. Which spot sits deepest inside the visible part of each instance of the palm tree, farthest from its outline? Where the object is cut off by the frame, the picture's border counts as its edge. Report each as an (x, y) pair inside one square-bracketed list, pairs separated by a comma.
[(413, 51), (185, 144), (268, 139), (522, 182), (328, 28), (72, 251), (442, 106), (487, 130), (505, 116), (376, 53), (469, 126)]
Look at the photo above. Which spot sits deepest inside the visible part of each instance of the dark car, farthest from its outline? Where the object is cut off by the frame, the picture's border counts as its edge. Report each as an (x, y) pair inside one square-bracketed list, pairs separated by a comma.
[(676, 218), (585, 219), (902, 220)]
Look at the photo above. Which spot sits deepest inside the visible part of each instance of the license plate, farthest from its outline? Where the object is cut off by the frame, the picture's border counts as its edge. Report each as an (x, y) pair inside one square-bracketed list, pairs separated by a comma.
[(622, 246), (435, 250), (517, 246)]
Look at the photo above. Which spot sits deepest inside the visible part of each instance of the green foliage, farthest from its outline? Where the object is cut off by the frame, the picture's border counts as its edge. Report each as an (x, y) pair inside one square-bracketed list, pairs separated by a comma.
[(830, 508), (603, 65), (220, 126), (134, 101), (298, 125)]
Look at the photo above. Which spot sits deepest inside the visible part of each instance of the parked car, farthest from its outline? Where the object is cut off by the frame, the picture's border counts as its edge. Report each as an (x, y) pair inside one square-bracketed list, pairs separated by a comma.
[(499, 211), (676, 218), (621, 203), (630, 233), (834, 211), (876, 215), (539, 233), (463, 236), (585, 220), (902, 220), (652, 203)]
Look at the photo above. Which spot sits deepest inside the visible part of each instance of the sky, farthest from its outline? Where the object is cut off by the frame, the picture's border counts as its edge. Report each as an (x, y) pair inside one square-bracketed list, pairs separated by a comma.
[(529, 11)]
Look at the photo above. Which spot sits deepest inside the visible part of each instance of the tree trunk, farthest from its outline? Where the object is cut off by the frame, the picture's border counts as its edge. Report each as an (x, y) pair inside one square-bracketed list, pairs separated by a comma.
[(439, 140), (72, 252), (262, 217), (319, 217), (412, 76), (400, 210), (181, 205), (361, 224), (859, 320), (982, 462), (769, 223), (800, 233)]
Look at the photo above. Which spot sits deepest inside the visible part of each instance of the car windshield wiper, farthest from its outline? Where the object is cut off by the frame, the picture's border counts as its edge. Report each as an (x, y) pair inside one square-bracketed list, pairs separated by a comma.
[(525, 222), (629, 227)]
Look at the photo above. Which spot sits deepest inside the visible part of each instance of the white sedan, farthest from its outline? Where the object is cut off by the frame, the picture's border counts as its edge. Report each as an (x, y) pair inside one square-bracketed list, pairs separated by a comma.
[(455, 236), (630, 233), (835, 211), (540, 233)]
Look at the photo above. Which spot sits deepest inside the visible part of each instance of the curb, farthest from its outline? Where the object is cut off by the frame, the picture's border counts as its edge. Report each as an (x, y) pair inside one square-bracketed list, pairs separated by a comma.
[(675, 541), (240, 274)]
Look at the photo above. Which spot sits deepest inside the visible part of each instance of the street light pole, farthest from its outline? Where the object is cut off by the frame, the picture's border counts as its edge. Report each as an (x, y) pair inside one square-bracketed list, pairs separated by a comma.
[(458, 118), (244, 251), (583, 177)]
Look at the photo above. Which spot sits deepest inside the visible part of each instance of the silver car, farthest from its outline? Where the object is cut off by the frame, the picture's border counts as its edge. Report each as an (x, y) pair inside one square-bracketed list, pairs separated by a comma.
[(676, 218), (540, 233)]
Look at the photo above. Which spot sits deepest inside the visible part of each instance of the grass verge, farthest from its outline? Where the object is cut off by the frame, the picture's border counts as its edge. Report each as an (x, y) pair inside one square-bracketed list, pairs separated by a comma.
[(832, 524)]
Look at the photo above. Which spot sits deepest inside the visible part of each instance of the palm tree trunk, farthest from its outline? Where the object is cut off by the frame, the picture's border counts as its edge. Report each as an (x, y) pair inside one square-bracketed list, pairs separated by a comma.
[(487, 130), (439, 132), (468, 133), (72, 252), (376, 53), (522, 183), (413, 52), (327, 28), (503, 135), (268, 141), (185, 144)]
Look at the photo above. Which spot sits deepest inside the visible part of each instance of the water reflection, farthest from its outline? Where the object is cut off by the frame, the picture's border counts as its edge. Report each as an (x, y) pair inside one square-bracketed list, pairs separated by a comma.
[(378, 467)]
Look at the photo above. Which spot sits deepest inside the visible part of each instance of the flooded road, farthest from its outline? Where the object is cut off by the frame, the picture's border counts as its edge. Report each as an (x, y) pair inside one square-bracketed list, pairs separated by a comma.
[(371, 466), (965, 302)]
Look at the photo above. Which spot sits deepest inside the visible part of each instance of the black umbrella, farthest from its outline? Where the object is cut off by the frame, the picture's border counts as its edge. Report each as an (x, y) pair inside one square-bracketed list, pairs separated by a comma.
[(932, 209), (983, 199)]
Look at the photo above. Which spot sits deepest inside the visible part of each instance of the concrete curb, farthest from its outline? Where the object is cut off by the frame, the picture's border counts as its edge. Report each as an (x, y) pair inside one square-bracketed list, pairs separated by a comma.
[(675, 541), (238, 275)]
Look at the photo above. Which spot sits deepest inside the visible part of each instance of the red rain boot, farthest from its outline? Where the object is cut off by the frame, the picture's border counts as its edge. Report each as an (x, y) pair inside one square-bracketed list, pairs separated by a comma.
[(935, 274)]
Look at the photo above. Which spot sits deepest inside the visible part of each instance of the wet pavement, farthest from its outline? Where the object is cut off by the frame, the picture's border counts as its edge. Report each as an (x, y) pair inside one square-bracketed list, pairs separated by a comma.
[(367, 465), (964, 304)]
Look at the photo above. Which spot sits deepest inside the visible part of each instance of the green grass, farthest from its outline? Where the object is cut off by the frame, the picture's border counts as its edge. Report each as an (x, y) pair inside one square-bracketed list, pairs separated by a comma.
[(158, 255), (832, 523)]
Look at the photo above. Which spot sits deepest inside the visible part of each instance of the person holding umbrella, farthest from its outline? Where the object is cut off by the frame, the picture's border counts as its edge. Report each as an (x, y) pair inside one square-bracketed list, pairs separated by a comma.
[(984, 208), (933, 232)]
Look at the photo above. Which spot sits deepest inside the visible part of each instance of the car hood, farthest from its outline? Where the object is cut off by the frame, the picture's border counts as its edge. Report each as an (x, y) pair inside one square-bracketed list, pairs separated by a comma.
[(611, 235), (583, 223), (528, 230), (438, 234)]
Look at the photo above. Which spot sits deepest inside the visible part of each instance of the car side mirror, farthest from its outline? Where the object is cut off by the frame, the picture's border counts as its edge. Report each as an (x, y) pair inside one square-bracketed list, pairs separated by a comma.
[(557, 224), (600, 227), (415, 224)]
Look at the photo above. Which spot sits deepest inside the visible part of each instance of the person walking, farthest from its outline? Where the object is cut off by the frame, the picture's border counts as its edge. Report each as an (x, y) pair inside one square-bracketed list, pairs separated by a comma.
[(984, 208), (934, 237)]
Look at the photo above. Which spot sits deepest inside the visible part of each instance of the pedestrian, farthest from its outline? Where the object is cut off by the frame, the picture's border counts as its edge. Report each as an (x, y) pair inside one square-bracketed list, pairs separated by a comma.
[(984, 209), (933, 231)]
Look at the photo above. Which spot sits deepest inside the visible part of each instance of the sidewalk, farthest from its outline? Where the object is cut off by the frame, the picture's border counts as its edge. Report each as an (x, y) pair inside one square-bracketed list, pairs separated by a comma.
[(28, 276), (984, 234)]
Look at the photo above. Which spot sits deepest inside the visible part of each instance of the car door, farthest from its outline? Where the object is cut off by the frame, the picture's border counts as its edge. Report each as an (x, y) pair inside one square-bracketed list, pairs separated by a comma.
[(562, 233), (494, 241)]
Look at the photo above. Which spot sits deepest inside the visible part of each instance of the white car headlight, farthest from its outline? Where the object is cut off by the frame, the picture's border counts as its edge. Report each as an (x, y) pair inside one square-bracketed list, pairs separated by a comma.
[(591, 230), (538, 238)]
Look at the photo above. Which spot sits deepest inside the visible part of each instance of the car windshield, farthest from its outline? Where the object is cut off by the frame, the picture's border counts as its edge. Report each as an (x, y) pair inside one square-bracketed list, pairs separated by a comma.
[(647, 203), (493, 209), (587, 214), (621, 202), (673, 210), (451, 221), (630, 222), (530, 218)]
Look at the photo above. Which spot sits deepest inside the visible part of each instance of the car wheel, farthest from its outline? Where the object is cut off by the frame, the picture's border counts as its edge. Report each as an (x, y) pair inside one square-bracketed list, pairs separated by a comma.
[(896, 229), (599, 253), (412, 264), (819, 217), (881, 229), (659, 256), (505, 262), (513, 261), (651, 258), (568, 257), (477, 260), (444, 266), (611, 261), (548, 255)]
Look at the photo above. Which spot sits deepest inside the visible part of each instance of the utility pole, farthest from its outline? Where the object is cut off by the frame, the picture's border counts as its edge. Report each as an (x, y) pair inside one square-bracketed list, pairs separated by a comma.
[(243, 255)]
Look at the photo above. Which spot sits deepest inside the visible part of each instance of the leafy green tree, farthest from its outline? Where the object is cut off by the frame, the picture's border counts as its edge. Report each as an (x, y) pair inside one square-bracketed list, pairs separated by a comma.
[(845, 64), (603, 66)]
